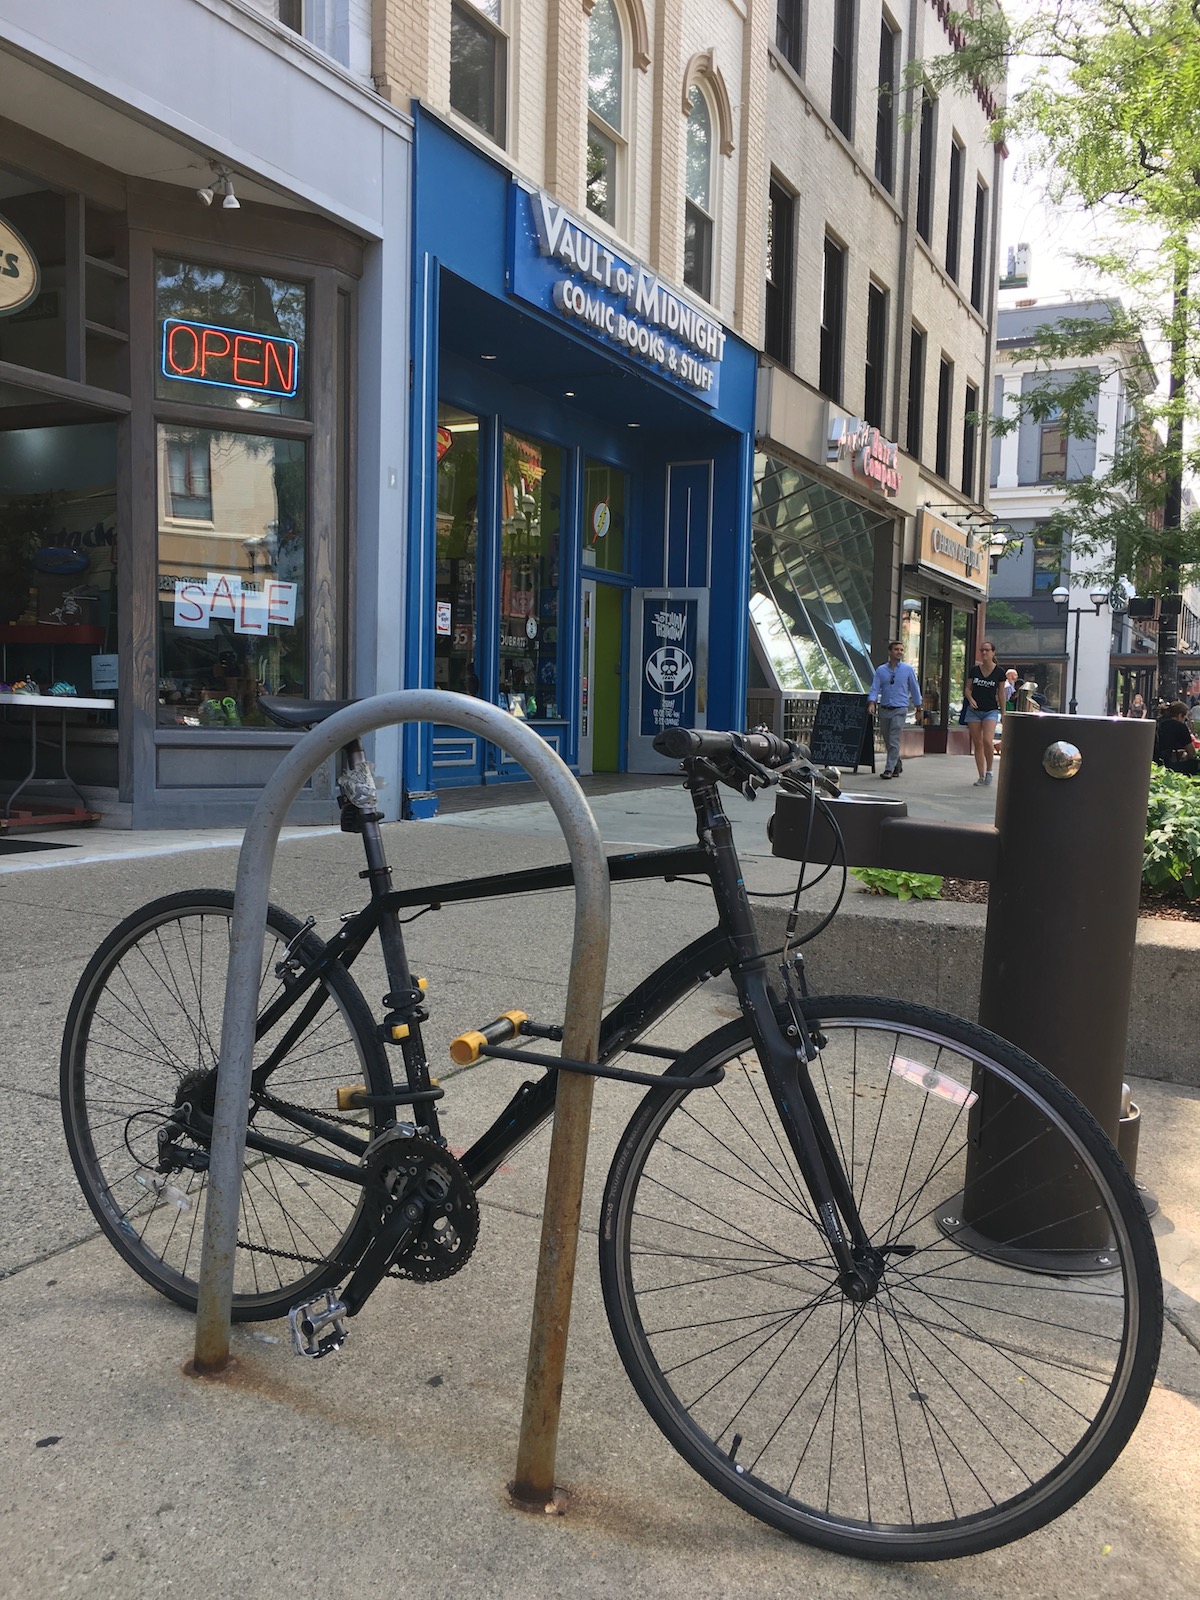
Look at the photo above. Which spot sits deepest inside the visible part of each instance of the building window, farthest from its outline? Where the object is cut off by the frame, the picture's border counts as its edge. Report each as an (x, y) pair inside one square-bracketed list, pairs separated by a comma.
[(530, 513), (455, 654), (833, 320), (781, 233), (233, 507), (954, 209), (874, 385), (228, 338), (945, 399), (916, 391), (605, 494), (885, 110), (189, 480), (970, 437), (925, 166), (789, 30), (606, 70), (698, 210), (979, 248), (1052, 453), (231, 574), (479, 65), (1047, 563), (841, 92), (321, 22)]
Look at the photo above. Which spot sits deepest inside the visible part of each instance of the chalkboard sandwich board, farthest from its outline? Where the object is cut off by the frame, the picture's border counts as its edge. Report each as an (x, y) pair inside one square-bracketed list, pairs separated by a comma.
[(843, 732)]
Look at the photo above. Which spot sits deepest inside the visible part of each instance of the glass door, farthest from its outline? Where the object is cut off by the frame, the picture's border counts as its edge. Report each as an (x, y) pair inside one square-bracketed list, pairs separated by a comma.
[(587, 675)]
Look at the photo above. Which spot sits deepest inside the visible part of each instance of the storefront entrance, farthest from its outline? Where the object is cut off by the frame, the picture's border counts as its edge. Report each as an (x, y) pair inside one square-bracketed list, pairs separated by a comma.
[(601, 675), (936, 637), (585, 453)]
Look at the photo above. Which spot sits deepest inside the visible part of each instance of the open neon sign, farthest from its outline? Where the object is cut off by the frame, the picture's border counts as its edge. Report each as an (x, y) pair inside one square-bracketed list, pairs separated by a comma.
[(230, 358)]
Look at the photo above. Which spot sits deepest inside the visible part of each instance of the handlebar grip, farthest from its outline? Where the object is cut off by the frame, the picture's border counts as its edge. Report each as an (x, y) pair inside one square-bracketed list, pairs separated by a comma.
[(681, 743)]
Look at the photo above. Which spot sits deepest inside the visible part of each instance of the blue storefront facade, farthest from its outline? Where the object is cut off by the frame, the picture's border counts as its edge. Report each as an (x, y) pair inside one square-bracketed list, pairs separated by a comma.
[(582, 449)]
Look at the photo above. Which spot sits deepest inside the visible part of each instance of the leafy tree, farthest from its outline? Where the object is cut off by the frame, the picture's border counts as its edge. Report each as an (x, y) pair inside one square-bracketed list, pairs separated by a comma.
[(1106, 110)]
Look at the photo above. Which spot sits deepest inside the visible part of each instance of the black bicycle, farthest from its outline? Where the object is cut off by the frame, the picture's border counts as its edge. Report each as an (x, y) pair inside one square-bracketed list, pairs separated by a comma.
[(875, 1273)]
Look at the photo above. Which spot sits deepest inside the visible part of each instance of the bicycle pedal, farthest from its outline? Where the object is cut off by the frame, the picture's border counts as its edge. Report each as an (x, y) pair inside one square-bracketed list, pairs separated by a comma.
[(309, 1322)]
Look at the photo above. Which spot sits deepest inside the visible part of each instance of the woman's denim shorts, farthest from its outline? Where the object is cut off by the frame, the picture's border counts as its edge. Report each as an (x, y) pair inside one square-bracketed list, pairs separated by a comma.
[(981, 716)]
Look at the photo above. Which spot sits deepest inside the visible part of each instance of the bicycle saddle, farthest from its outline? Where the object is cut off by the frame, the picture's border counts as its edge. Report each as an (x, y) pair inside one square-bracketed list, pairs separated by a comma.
[(291, 712)]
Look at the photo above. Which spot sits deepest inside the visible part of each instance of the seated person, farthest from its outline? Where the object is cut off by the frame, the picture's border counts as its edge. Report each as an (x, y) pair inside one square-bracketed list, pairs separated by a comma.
[(1173, 747)]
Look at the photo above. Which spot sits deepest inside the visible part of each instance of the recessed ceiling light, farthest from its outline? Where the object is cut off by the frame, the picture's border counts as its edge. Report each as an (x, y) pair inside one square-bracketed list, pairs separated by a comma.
[(568, 394), (487, 358), (633, 424)]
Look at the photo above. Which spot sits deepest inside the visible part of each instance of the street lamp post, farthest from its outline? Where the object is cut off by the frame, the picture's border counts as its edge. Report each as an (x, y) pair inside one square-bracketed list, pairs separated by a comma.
[(1061, 597)]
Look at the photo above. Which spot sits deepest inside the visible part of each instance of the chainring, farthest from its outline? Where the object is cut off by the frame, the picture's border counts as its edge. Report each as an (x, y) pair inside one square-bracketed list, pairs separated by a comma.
[(415, 1166)]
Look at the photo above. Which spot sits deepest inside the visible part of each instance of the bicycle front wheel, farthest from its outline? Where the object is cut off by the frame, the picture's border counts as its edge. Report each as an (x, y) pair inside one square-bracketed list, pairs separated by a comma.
[(138, 1082), (1009, 1349)]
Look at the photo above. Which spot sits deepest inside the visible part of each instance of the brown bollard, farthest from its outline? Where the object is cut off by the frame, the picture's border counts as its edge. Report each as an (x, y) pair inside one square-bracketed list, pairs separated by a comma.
[(1058, 961)]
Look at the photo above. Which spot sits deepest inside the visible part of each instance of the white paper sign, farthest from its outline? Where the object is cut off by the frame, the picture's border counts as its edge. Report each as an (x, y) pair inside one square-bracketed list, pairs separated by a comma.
[(443, 624), (104, 674), (224, 598)]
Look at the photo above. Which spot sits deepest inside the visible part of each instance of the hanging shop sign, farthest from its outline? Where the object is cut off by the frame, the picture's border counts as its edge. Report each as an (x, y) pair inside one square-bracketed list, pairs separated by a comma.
[(670, 643), (20, 275), (863, 449), (230, 358), (949, 551), (558, 264)]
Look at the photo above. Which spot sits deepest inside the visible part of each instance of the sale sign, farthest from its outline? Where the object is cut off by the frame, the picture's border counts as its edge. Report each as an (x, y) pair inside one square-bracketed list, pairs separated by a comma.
[(223, 598)]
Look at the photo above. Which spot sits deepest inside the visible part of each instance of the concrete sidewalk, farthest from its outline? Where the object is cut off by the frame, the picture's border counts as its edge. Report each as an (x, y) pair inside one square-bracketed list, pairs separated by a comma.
[(383, 1468)]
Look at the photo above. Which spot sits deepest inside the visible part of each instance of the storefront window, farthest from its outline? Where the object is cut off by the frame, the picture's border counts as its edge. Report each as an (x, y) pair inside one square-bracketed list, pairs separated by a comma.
[(64, 289), (230, 338), (530, 523), (913, 624), (960, 634), (812, 580), (231, 570), (58, 553), (933, 661), (603, 517), (454, 661)]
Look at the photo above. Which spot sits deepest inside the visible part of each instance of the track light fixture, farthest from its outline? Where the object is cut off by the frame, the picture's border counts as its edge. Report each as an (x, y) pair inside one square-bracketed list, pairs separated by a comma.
[(221, 183)]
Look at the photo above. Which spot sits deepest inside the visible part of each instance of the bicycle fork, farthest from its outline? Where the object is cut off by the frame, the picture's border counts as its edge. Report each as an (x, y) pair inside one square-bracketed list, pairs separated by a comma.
[(784, 1053)]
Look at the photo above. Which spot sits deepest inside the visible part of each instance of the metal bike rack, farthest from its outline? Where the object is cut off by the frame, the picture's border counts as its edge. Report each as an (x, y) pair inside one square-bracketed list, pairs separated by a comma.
[(534, 1480)]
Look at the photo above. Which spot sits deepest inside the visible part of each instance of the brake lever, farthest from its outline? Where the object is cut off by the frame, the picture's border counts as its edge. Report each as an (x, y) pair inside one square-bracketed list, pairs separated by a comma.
[(804, 772), (754, 775)]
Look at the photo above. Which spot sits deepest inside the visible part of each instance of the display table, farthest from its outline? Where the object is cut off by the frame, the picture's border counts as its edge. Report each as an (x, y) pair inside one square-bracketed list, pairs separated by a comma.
[(24, 817)]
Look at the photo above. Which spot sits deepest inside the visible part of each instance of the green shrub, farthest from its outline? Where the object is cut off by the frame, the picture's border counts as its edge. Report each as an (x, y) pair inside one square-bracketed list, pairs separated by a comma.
[(904, 885), (1172, 855)]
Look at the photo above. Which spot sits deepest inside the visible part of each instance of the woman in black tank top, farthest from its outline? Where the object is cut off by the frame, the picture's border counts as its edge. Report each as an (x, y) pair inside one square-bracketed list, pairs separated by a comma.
[(982, 710)]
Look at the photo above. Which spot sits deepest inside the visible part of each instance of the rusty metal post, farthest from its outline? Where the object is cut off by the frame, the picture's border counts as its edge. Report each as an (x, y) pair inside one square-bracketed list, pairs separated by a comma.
[(589, 961)]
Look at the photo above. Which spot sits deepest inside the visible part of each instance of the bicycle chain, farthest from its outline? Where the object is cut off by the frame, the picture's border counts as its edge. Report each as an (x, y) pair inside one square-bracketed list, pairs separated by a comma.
[(323, 1261), (447, 1267)]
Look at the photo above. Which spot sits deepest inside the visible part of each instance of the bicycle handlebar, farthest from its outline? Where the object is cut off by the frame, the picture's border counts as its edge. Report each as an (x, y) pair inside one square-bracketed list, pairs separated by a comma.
[(766, 748)]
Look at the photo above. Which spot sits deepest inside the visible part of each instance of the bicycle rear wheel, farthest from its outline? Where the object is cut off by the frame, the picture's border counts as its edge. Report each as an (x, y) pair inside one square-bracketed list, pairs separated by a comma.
[(1012, 1343), (140, 1048)]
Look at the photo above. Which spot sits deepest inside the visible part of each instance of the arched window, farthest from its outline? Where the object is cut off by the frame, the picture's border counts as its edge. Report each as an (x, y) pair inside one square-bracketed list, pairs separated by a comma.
[(606, 109), (698, 210)]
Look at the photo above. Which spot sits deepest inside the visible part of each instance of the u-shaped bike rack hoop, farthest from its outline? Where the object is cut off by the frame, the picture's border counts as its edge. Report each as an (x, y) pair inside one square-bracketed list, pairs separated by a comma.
[(534, 1480)]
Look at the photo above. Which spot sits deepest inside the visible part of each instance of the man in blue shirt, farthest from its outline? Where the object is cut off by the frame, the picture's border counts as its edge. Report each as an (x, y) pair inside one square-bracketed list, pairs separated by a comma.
[(892, 688)]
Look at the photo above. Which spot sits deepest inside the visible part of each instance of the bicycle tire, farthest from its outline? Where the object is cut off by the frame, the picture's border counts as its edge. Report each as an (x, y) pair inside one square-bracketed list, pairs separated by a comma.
[(146, 1018), (977, 1395)]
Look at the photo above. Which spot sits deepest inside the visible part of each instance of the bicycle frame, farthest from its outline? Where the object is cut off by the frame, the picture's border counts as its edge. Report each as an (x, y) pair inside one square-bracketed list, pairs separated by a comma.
[(784, 1047)]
